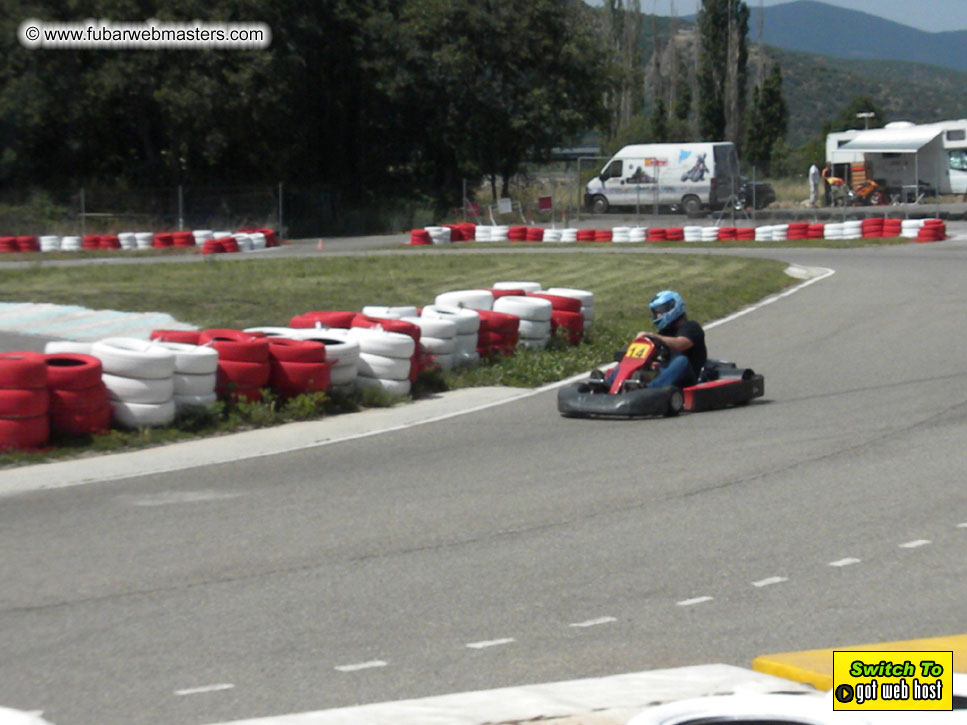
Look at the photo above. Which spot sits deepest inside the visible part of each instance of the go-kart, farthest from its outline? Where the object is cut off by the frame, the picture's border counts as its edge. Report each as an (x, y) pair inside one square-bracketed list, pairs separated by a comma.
[(721, 384)]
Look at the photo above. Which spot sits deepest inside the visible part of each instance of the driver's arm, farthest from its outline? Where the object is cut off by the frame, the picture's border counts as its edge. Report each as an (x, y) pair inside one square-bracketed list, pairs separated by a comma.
[(675, 344)]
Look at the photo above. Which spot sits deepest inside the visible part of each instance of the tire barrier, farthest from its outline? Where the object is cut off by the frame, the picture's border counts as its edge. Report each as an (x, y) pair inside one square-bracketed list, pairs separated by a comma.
[(385, 359), (498, 334), (243, 363), (298, 366), (475, 299), (525, 286), (196, 374), (187, 337), (342, 352), (323, 318), (534, 313), (139, 376), (24, 401), (585, 297), (205, 240), (438, 338), (467, 323), (79, 399), (419, 360), (389, 312), (933, 230)]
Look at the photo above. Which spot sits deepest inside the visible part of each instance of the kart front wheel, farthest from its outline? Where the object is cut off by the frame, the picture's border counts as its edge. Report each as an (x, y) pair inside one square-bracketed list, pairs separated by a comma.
[(676, 401)]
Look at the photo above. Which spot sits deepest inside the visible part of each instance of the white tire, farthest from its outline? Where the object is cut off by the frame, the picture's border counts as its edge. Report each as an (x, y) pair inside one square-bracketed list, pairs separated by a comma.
[(193, 359), (139, 390), (467, 344), (534, 330), (380, 366), (587, 298), (131, 357), (446, 361), (341, 347), (526, 308), (128, 240), (69, 346), (552, 235), (526, 286), (144, 240), (475, 299), (393, 387), (142, 415), (343, 374), (430, 327), (189, 401), (194, 385), (71, 244), (439, 345), (381, 342), (535, 344), (482, 233), (258, 240), (466, 359), (49, 243), (467, 321), (392, 313)]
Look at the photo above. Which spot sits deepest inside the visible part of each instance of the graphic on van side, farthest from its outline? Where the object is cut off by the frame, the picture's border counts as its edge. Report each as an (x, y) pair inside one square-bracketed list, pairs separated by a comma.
[(698, 171)]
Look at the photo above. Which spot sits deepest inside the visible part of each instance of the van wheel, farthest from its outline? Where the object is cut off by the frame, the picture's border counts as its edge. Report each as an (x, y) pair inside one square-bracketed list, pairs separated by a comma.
[(599, 205), (692, 206)]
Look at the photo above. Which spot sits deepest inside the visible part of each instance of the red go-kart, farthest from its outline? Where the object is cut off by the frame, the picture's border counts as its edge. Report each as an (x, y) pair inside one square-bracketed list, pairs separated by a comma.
[(721, 384)]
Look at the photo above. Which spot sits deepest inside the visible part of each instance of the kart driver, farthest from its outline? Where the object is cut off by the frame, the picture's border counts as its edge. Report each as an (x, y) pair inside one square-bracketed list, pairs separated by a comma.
[(684, 337)]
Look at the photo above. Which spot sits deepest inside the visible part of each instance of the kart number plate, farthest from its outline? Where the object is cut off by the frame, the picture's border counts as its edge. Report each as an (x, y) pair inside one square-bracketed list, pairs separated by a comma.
[(639, 349)]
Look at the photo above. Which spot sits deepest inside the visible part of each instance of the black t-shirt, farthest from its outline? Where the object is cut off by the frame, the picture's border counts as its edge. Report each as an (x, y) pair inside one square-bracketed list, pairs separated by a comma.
[(697, 354)]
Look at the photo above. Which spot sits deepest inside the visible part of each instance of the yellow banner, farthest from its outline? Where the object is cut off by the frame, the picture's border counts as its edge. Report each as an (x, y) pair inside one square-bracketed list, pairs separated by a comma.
[(892, 680)]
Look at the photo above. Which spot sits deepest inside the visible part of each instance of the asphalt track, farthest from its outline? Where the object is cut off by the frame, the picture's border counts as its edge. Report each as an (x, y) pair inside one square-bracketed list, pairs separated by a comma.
[(512, 546)]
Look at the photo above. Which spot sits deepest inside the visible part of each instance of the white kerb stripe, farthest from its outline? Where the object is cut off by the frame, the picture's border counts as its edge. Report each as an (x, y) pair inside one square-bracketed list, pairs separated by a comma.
[(594, 622)]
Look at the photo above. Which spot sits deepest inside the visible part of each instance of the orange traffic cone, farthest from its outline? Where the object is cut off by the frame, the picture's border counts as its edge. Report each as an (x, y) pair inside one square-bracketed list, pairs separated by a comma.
[(319, 245)]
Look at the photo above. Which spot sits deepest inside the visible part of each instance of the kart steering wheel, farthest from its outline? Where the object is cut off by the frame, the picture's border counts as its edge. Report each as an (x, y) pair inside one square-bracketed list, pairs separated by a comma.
[(663, 353)]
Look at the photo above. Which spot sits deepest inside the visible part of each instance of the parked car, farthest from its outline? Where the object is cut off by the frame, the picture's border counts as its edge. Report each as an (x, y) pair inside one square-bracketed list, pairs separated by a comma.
[(760, 194)]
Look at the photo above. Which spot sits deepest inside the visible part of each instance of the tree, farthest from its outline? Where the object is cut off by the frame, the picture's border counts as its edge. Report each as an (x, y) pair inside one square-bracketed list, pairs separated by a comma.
[(723, 26), (768, 119), (847, 118)]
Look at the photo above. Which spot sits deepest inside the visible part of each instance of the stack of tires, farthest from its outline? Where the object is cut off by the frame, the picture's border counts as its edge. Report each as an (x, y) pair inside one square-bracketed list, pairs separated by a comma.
[(385, 360), (297, 367), (798, 230), (569, 235), (585, 297), (323, 318), (710, 234), (933, 230), (342, 354), (419, 360), (467, 328), (498, 334), (566, 316), (474, 299), (79, 400), (196, 373), (24, 400), (534, 314), (139, 376), (910, 228), (243, 363), (816, 231), (438, 338), (892, 227), (872, 227), (852, 229)]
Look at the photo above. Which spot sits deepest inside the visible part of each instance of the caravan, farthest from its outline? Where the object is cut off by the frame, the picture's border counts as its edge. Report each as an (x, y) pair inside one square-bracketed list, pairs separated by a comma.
[(692, 176), (904, 158)]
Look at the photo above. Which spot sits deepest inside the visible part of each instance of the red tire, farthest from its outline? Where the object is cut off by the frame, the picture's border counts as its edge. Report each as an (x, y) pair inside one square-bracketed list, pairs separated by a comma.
[(300, 377), (498, 321), (498, 293), (91, 241), (188, 337), (109, 241), (18, 433), (282, 349), (82, 421), (163, 240), (79, 399), (22, 369), (230, 244), (72, 371), (28, 244), (212, 246), (236, 345), (24, 402), (567, 304), (243, 373), (183, 239), (325, 318), (389, 325)]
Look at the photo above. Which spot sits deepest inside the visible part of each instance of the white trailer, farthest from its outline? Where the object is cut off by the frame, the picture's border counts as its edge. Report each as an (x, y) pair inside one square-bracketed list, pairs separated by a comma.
[(904, 157)]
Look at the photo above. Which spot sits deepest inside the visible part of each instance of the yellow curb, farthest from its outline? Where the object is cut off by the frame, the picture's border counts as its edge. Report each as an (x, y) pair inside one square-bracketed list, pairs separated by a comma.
[(815, 666)]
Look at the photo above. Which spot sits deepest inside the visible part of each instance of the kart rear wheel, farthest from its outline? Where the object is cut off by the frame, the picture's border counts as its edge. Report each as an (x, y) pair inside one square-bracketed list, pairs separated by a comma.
[(676, 401)]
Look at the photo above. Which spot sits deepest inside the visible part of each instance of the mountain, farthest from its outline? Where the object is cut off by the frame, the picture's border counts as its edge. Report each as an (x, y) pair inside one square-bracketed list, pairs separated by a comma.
[(815, 27)]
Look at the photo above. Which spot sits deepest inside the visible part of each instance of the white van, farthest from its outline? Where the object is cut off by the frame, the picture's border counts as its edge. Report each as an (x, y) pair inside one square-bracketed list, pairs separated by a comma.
[(692, 176)]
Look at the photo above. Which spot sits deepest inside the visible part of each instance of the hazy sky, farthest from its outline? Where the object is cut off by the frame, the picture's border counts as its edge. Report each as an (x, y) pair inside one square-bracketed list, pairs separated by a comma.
[(933, 15)]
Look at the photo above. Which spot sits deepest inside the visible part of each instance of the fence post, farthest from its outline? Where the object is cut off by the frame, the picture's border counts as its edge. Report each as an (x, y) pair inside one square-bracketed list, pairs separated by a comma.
[(83, 214), (181, 208), (281, 232)]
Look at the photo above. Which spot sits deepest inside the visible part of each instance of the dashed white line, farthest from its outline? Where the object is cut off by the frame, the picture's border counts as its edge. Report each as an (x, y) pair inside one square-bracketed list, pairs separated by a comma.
[(361, 666), (915, 544), (962, 526), (594, 622), (848, 561), (769, 581), (204, 689), (490, 643), (696, 600)]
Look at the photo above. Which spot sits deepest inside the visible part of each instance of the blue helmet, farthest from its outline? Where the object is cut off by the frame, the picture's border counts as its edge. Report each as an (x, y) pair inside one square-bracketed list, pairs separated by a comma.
[(666, 307)]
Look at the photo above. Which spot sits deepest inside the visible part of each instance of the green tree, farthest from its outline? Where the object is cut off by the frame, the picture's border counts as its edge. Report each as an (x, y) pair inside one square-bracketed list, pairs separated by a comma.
[(723, 26), (847, 117), (768, 120)]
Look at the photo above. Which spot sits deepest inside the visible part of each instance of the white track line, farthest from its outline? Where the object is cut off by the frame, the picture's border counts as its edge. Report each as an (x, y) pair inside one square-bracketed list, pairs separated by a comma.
[(848, 561), (204, 689), (361, 666), (696, 600), (769, 581), (915, 544), (594, 622), (490, 643)]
